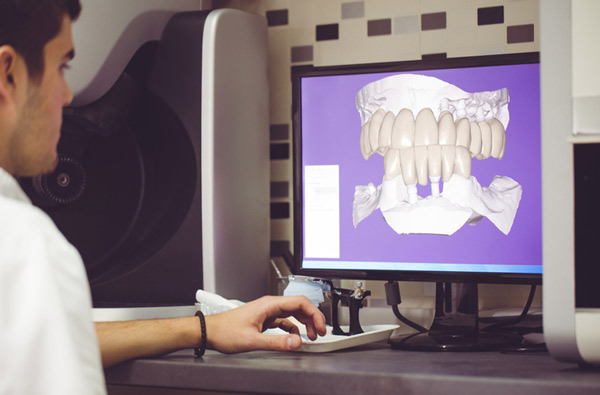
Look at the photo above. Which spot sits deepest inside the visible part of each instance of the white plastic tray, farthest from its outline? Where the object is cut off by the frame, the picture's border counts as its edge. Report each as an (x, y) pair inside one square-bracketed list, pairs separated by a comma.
[(331, 342)]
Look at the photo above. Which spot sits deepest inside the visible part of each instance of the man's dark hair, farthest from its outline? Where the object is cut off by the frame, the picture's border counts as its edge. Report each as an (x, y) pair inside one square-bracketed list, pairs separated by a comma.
[(27, 25)]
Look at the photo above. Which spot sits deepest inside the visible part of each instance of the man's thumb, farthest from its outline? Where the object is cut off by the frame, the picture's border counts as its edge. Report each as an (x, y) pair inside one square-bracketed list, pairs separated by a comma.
[(280, 342)]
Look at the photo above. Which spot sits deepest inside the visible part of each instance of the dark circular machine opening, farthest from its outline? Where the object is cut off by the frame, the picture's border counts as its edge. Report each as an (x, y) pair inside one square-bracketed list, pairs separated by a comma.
[(99, 222), (170, 183), (124, 182)]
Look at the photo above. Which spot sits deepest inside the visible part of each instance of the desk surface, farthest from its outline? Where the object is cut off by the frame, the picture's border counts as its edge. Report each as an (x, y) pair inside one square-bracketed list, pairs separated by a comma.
[(373, 368)]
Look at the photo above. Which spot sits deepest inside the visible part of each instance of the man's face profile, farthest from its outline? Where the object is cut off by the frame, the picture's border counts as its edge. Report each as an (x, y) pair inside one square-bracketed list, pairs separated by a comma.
[(32, 145)]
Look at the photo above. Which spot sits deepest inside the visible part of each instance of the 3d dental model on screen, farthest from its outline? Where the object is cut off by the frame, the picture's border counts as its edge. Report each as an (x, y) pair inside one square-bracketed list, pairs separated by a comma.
[(428, 130)]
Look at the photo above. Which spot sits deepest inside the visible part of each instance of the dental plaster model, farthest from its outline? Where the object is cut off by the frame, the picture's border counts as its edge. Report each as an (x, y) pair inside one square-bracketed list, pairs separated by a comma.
[(428, 130)]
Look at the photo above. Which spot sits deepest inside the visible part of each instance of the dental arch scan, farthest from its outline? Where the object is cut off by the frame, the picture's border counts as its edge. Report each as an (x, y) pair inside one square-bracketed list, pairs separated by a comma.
[(428, 131)]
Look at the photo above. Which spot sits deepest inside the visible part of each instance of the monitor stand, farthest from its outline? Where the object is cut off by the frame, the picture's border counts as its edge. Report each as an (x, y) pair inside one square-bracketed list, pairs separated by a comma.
[(456, 325)]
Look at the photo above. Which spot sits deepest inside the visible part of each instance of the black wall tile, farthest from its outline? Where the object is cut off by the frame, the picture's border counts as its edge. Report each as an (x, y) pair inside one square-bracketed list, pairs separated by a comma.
[(277, 17), (519, 34), (280, 210), (490, 15), (379, 27), (302, 54), (280, 151), (433, 21), (279, 131), (327, 32), (280, 189)]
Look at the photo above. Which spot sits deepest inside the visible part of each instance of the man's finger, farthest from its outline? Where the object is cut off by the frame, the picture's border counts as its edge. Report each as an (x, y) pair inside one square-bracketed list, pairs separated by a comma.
[(304, 311), (285, 324), (278, 342), (314, 324)]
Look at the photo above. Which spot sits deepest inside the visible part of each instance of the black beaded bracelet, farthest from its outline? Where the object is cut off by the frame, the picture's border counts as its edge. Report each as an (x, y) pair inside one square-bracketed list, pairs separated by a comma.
[(200, 351)]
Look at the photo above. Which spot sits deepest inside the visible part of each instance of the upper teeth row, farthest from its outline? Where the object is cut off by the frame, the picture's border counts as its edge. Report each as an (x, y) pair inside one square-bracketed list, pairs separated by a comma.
[(387, 130)]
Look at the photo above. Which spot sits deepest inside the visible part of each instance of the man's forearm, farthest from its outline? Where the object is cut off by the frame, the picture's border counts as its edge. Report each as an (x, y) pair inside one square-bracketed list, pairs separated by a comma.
[(232, 331), (123, 340)]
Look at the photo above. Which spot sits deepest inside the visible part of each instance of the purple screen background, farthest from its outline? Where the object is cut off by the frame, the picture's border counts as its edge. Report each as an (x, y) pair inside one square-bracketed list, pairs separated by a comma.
[(330, 136)]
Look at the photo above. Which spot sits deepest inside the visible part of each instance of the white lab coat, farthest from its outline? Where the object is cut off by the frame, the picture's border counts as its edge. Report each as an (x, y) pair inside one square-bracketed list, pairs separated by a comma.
[(48, 343)]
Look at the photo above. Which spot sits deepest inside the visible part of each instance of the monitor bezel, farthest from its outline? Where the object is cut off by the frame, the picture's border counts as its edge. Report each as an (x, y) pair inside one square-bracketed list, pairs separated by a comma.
[(299, 72)]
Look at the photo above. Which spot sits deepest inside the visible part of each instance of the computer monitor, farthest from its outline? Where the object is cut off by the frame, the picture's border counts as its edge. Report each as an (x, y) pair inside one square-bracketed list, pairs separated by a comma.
[(449, 191)]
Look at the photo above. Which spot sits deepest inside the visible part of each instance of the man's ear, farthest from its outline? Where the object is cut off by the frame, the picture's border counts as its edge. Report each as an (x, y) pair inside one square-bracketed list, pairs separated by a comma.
[(8, 60)]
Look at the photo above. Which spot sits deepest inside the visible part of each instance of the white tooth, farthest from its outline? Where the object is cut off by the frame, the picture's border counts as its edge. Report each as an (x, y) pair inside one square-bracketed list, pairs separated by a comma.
[(475, 146), (385, 133), (421, 163), (426, 129), (487, 131), (462, 162), (498, 138), (486, 142), (364, 141), (403, 131), (376, 121), (407, 163), (409, 173), (391, 164), (447, 129), (463, 133), (434, 162), (448, 158)]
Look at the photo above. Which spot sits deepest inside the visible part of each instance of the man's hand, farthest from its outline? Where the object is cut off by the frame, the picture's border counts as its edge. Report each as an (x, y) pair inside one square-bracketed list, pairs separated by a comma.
[(240, 329)]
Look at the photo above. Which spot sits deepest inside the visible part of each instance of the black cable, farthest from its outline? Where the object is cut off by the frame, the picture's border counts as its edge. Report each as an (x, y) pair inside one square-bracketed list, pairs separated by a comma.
[(518, 319), (406, 320), (392, 296)]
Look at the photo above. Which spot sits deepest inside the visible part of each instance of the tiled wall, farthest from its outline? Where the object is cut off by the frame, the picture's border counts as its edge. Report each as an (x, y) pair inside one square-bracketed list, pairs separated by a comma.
[(335, 32)]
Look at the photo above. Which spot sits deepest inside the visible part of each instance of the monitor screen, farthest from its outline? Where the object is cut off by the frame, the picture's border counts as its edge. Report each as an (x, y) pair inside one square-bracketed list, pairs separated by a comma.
[(421, 170)]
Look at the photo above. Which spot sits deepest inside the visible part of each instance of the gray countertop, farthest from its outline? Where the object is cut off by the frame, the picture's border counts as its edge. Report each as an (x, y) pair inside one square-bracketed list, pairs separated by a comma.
[(372, 369)]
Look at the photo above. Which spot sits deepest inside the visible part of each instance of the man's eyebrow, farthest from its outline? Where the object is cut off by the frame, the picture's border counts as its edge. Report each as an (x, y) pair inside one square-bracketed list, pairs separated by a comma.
[(70, 55)]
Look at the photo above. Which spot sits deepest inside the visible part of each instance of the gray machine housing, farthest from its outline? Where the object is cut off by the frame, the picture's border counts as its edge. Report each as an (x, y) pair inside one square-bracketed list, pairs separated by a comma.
[(208, 72), (571, 184)]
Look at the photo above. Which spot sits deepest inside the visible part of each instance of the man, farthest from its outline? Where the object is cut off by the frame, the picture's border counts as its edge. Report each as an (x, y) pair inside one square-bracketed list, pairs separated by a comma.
[(48, 342)]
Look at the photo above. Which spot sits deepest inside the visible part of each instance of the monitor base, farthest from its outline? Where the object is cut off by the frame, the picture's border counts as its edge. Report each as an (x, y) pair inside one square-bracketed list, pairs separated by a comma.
[(480, 342), (456, 325)]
